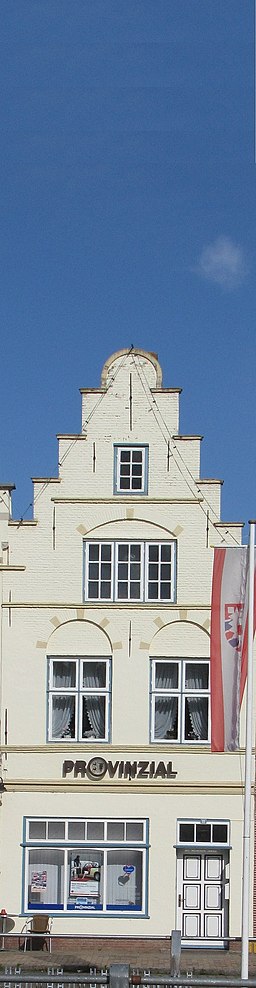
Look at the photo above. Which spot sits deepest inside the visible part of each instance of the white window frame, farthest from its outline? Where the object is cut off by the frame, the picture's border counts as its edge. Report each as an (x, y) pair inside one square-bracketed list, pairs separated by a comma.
[(195, 822), (182, 693), (129, 564), (88, 561), (144, 574), (87, 848), (162, 600), (79, 691), (133, 448)]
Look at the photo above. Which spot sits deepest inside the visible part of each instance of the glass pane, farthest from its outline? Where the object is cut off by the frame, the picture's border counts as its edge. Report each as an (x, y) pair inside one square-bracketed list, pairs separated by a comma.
[(94, 675), (166, 718), (136, 470), (56, 830), (124, 879), (135, 571), (134, 831), (125, 455), (85, 879), (166, 553), (115, 830), (196, 718), (123, 552), (203, 833), (153, 571), (94, 552), (136, 483), (165, 571), (93, 571), (93, 590), (124, 483), (137, 456), (135, 553), (125, 470), (64, 674), (106, 571), (93, 716), (187, 832), (135, 591), (95, 830), (153, 591), (37, 829), (63, 716), (167, 675), (123, 571), (106, 553), (219, 833), (76, 829), (197, 676), (153, 553), (45, 878), (122, 591), (105, 590), (165, 591)]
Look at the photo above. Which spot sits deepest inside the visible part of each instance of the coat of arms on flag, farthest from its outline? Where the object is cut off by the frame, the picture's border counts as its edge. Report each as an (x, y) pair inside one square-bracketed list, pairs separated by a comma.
[(233, 624)]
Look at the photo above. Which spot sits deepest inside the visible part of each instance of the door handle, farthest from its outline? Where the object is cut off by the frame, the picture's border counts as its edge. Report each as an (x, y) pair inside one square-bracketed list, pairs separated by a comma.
[(179, 901)]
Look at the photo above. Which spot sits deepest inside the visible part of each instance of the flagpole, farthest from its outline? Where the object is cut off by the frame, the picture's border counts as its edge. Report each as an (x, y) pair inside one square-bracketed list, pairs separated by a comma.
[(248, 766)]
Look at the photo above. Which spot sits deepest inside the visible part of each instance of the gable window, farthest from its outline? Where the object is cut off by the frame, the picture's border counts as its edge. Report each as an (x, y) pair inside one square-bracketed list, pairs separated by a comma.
[(86, 865), (79, 699), (180, 695), (139, 571), (130, 469)]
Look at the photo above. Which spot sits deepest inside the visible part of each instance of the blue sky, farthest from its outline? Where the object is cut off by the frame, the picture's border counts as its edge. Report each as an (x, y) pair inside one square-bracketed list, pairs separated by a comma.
[(127, 202)]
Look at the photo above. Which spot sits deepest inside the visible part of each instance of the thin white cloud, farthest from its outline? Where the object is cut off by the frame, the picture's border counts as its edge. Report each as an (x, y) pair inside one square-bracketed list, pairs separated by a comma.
[(224, 263)]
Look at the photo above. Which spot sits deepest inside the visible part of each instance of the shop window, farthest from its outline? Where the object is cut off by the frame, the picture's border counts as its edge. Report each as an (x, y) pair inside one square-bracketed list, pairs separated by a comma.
[(130, 469), (88, 877), (180, 695), (135, 571), (79, 692)]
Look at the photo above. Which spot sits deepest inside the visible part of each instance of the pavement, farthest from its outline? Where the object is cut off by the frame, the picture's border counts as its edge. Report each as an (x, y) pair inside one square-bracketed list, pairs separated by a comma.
[(154, 956)]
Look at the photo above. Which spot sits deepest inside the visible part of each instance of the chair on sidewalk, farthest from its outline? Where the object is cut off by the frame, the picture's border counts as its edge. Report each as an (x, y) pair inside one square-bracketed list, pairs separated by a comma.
[(36, 934)]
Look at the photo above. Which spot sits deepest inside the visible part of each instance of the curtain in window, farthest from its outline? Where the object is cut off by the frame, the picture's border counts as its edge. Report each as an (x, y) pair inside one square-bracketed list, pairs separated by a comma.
[(63, 707), (165, 706), (63, 713), (95, 705), (198, 714), (197, 679), (165, 715)]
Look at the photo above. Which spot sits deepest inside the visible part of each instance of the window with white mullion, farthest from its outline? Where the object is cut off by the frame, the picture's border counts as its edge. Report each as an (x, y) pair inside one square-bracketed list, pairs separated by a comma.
[(130, 469), (159, 571), (129, 571), (83, 712), (99, 571), (180, 701), (196, 701)]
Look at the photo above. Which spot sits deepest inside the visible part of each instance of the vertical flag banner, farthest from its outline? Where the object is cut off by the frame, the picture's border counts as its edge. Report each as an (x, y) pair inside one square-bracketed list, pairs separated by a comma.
[(229, 618)]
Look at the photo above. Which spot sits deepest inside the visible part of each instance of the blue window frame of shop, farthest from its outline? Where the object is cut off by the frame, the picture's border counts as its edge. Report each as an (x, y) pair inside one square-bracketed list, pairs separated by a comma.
[(141, 844)]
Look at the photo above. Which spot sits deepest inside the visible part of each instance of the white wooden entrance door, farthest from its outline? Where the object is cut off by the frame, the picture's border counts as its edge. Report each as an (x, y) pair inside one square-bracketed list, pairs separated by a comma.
[(202, 899)]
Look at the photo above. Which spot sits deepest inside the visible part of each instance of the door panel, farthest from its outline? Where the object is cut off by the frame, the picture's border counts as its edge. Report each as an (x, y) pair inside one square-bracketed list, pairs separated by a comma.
[(202, 890)]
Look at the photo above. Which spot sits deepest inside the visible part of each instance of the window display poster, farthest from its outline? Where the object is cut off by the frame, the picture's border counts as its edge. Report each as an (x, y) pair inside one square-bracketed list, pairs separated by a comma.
[(84, 877), (38, 881)]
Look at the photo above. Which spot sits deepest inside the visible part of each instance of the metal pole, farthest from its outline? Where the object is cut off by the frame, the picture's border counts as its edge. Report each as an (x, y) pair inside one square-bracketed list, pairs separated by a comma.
[(248, 766), (119, 976)]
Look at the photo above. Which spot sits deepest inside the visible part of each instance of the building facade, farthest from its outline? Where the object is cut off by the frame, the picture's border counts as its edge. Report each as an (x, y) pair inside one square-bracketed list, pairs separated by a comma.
[(118, 819)]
